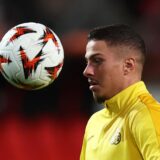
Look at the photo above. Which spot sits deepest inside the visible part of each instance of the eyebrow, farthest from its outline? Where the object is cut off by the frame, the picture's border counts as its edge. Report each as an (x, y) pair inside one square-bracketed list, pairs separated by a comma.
[(92, 56)]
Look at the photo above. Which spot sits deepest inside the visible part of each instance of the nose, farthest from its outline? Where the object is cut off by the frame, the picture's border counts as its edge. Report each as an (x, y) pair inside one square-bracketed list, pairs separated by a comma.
[(88, 71)]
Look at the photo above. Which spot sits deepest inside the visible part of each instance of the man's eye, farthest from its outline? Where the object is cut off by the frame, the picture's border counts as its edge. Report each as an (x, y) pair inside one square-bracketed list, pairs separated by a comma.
[(97, 61)]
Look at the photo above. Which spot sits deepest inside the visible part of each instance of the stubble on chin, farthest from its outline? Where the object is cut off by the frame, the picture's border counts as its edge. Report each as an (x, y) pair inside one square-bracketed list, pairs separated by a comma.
[(99, 99)]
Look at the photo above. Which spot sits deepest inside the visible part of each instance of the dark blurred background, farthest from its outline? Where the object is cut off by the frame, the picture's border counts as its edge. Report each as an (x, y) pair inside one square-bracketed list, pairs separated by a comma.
[(49, 124)]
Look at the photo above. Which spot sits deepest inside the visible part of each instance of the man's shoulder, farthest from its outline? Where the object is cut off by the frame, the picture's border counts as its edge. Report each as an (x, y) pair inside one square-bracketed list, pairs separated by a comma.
[(145, 102), (149, 101), (96, 121), (146, 111), (97, 116)]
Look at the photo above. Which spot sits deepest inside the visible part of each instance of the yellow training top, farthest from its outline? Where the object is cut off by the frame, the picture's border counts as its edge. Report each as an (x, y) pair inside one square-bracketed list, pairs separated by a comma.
[(128, 128)]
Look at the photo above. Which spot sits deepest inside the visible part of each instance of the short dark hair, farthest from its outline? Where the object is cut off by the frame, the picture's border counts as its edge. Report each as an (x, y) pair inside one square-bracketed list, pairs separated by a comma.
[(119, 34)]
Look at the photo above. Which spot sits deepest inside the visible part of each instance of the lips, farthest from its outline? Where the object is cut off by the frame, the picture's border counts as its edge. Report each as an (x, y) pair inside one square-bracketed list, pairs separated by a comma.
[(92, 84)]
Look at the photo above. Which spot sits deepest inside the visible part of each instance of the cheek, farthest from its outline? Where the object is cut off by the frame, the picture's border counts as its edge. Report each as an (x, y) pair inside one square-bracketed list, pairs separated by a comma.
[(118, 71), (113, 74)]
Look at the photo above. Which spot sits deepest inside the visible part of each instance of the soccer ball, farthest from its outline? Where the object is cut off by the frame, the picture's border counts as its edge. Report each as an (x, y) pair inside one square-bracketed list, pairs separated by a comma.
[(31, 56)]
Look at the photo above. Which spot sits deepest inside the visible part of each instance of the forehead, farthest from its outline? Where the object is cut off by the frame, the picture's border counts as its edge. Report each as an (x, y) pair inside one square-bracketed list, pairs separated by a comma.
[(96, 47)]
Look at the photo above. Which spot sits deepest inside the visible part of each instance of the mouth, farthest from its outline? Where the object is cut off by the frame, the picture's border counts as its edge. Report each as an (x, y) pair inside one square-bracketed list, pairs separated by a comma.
[(93, 84)]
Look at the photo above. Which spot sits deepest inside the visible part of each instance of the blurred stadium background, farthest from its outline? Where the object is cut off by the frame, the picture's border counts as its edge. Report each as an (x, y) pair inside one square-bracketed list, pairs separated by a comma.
[(49, 124)]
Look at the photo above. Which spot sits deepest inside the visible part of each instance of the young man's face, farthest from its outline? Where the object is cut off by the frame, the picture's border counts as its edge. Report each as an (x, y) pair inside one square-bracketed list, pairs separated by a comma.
[(104, 70)]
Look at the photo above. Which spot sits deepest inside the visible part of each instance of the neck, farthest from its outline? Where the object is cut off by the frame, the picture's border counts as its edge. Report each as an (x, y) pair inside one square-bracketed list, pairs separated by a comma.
[(131, 80)]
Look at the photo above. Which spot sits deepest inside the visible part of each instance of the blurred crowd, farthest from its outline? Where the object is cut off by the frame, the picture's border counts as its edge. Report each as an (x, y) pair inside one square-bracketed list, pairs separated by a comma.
[(45, 124)]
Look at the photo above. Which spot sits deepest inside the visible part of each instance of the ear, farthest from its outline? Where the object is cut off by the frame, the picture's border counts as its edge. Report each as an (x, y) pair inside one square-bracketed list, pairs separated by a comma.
[(129, 65)]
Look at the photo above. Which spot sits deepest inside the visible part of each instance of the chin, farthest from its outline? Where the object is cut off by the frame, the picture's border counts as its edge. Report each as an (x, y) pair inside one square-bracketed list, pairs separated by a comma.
[(99, 99)]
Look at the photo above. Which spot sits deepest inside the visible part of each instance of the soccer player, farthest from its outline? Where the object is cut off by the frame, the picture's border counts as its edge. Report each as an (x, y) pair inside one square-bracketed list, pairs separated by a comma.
[(128, 127)]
